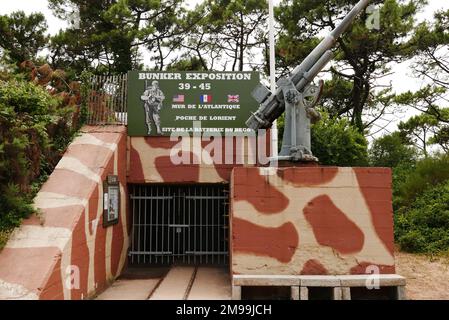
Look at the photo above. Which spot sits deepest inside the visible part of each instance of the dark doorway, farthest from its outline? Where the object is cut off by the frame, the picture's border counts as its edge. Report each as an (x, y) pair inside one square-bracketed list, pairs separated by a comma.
[(179, 224)]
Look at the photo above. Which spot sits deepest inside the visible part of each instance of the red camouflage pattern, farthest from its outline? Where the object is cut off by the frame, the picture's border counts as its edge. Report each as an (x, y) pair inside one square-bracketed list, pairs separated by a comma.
[(43, 258), (340, 220)]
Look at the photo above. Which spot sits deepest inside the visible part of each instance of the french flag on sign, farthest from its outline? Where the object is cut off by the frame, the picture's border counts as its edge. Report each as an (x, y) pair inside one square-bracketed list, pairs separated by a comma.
[(206, 98)]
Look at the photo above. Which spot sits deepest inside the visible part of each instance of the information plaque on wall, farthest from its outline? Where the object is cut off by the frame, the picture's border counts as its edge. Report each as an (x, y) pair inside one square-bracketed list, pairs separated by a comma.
[(111, 201), (160, 103)]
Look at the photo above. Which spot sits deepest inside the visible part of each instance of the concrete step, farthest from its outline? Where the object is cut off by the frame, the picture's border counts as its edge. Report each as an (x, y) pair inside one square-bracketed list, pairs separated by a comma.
[(129, 290), (211, 284), (175, 285), (335, 287), (179, 283)]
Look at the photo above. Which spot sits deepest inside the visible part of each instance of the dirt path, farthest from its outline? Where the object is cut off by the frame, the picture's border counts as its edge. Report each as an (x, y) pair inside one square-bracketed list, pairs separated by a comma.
[(426, 278)]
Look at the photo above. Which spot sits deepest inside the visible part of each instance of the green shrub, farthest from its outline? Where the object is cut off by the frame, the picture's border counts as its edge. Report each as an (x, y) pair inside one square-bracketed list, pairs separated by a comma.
[(427, 173), (391, 151), (34, 132), (336, 142), (400, 174), (15, 206), (28, 98), (423, 226)]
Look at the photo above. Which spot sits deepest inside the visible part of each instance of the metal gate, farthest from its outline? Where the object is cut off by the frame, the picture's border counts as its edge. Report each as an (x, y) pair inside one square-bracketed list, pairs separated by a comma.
[(183, 224)]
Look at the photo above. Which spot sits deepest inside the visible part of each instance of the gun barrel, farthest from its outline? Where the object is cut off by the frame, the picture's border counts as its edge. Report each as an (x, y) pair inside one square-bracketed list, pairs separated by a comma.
[(272, 105), (347, 21), (328, 42), (313, 72)]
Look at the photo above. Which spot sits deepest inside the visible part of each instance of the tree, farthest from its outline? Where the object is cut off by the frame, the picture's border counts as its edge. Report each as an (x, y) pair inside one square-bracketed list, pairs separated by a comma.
[(363, 56), (22, 36), (441, 138), (391, 151), (198, 44), (91, 43), (228, 33), (186, 63), (111, 32), (430, 43), (426, 100), (418, 130)]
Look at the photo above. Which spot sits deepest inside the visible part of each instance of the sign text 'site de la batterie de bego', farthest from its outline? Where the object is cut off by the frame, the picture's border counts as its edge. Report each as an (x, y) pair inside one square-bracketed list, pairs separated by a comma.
[(162, 103)]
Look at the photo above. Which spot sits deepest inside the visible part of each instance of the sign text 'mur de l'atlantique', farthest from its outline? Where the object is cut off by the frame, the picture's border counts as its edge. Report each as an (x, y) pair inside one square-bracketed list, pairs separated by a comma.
[(194, 76)]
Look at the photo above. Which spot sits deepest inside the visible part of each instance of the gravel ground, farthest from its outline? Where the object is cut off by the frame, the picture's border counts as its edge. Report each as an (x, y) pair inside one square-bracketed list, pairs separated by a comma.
[(427, 277)]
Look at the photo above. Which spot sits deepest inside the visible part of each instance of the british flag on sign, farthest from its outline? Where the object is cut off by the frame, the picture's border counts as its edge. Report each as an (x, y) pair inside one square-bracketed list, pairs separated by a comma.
[(233, 98)]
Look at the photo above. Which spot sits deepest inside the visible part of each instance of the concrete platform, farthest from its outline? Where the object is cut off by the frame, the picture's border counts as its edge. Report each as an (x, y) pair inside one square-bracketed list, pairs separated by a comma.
[(175, 285), (265, 280), (320, 281), (129, 290), (211, 284), (340, 285), (361, 280)]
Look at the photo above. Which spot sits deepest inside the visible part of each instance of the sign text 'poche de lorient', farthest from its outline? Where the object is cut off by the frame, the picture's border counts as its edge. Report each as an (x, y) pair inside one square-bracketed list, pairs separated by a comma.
[(160, 103)]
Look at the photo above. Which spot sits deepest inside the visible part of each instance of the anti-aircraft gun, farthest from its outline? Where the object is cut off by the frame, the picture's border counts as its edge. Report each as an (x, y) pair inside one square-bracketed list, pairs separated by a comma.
[(297, 96)]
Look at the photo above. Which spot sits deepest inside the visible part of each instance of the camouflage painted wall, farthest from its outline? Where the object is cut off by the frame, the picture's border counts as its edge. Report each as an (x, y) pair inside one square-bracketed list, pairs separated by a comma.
[(303, 220), (150, 160), (311, 220), (44, 257)]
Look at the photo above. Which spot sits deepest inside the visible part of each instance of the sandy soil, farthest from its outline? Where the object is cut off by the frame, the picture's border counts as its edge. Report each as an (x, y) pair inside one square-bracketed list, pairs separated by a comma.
[(427, 278)]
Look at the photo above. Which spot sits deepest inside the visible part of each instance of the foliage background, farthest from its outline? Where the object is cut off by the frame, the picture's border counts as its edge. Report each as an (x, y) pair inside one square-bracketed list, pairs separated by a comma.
[(35, 128)]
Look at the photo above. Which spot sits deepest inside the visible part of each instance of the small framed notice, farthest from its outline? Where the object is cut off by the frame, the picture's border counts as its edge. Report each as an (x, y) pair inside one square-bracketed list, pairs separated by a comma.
[(111, 201)]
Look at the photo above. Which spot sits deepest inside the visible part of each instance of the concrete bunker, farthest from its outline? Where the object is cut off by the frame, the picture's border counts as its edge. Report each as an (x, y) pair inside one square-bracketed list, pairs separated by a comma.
[(282, 230)]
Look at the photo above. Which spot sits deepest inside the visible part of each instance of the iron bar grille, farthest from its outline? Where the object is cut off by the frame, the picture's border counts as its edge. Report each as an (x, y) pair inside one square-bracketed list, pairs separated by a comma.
[(179, 224), (106, 101)]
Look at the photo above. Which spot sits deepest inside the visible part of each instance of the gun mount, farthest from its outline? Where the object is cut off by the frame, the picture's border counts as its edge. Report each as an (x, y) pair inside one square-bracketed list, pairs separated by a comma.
[(297, 96)]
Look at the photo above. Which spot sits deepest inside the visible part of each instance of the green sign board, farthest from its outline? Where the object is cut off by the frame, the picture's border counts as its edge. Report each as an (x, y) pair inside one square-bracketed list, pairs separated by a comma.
[(160, 103)]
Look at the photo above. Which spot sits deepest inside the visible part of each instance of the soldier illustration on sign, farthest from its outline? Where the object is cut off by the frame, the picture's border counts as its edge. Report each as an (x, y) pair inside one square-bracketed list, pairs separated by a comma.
[(152, 102)]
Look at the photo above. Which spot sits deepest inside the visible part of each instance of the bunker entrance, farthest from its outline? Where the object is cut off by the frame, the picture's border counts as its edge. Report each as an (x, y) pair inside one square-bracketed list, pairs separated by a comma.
[(179, 224)]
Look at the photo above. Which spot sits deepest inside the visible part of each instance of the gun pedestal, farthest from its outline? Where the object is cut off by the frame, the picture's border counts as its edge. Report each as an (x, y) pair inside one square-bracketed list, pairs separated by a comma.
[(299, 114)]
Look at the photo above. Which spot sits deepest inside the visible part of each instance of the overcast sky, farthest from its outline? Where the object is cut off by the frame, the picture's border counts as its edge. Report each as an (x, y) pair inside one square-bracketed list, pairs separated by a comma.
[(401, 79)]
